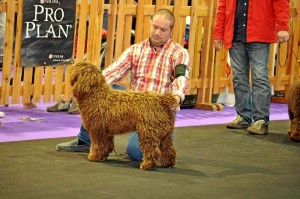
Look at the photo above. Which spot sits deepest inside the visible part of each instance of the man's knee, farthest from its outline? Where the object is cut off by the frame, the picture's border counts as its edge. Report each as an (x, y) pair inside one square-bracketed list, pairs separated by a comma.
[(133, 150)]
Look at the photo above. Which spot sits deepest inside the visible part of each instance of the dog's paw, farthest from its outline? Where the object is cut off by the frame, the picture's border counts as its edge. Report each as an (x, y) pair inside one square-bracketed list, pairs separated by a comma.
[(294, 137), (168, 164), (147, 165), (96, 158)]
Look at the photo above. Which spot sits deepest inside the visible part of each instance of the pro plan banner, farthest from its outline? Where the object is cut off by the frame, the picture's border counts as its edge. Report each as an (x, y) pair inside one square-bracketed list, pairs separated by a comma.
[(48, 32)]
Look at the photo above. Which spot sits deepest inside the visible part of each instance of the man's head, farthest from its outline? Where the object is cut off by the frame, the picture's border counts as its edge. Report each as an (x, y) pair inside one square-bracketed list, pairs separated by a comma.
[(162, 23)]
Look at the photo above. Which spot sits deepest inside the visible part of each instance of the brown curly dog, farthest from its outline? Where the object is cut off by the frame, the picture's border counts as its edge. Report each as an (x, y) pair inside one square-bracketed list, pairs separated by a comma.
[(294, 112), (106, 112)]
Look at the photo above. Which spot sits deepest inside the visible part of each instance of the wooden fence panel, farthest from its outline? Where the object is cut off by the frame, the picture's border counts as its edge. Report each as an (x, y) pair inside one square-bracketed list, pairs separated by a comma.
[(8, 46), (8, 50), (111, 29)]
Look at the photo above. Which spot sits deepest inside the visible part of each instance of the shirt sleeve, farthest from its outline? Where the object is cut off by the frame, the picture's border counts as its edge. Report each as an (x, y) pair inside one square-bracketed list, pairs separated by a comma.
[(180, 84), (119, 68), (220, 21), (282, 14)]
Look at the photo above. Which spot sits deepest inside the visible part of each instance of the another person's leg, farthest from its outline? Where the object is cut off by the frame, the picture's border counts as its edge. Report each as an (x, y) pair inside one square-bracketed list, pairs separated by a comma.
[(105, 17), (80, 144), (261, 88), (240, 67)]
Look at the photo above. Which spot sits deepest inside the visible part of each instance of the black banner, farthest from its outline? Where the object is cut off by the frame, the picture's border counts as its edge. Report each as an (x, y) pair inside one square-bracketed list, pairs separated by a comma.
[(48, 32)]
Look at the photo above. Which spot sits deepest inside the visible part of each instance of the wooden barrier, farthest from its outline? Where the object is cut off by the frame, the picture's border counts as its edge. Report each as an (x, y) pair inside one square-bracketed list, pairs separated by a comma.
[(128, 19)]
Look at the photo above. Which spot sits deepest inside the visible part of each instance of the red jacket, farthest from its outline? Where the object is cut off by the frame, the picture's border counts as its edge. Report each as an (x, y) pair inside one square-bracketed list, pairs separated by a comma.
[(265, 19)]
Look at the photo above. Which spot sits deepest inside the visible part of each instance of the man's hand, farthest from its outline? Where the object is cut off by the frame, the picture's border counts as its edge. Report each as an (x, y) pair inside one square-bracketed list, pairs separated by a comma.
[(177, 102), (283, 35), (218, 44)]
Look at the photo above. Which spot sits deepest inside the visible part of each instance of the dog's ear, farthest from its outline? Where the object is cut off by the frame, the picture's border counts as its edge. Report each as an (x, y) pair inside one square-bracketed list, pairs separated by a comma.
[(75, 72)]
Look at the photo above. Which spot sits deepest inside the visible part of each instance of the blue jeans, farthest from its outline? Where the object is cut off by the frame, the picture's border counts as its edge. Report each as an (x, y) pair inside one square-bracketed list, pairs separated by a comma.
[(252, 103), (133, 149)]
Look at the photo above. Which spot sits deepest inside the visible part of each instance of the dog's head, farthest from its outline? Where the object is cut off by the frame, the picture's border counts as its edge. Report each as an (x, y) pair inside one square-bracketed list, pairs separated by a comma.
[(84, 77)]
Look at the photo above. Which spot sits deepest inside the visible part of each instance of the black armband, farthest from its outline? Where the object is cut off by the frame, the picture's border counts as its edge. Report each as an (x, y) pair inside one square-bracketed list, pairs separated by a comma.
[(180, 70)]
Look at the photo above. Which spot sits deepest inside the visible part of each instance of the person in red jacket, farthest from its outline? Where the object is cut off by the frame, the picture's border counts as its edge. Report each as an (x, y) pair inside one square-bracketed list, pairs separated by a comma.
[(246, 28)]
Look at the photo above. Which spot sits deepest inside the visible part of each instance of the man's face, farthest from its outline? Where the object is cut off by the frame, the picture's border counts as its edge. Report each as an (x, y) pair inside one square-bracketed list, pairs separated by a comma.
[(160, 30)]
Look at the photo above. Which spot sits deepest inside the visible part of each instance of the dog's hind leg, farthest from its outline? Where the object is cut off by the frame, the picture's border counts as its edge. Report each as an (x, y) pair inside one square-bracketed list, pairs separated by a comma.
[(149, 145), (101, 145), (168, 152)]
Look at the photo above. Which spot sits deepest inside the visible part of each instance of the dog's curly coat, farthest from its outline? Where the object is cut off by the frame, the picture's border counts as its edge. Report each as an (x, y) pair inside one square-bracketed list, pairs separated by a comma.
[(106, 112), (294, 112)]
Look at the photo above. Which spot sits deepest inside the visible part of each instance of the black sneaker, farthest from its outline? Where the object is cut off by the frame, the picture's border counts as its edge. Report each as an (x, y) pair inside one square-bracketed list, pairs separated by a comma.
[(258, 127), (238, 123), (73, 146)]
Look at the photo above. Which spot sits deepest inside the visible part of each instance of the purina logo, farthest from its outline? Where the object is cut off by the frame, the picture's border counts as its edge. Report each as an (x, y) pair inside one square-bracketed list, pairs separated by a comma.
[(53, 56), (49, 1)]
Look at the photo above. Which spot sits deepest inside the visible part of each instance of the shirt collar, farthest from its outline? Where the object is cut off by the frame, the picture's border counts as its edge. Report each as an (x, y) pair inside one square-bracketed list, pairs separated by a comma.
[(166, 45)]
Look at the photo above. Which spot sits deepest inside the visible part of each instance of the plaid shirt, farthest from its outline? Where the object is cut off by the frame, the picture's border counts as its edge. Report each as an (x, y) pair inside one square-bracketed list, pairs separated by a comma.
[(151, 69)]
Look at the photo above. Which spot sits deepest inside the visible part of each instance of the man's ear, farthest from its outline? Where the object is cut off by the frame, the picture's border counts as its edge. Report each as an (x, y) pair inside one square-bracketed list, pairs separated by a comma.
[(171, 33)]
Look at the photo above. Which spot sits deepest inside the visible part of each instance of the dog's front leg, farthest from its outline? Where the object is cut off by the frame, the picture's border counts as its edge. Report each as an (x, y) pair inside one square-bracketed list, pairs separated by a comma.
[(101, 146), (95, 154)]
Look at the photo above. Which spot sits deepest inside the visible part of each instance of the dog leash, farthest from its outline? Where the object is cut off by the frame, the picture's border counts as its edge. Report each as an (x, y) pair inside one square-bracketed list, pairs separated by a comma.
[(286, 56), (120, 154)]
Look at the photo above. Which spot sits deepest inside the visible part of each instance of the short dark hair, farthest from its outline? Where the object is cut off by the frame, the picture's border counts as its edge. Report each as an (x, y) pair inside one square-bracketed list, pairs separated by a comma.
[(167, 13)]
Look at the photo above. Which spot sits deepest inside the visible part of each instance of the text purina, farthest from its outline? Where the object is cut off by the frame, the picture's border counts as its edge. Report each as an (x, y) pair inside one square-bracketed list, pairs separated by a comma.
[(58, 56), (50, 1)]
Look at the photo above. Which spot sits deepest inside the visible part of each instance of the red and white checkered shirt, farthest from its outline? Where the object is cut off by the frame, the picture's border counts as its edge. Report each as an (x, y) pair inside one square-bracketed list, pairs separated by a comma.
[(151, 69)]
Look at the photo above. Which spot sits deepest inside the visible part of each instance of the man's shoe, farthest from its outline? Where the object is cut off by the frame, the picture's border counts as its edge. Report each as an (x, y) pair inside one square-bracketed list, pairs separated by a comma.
[(238, 123), (59, 106), (74, 109), (258, 127), (75, 145)]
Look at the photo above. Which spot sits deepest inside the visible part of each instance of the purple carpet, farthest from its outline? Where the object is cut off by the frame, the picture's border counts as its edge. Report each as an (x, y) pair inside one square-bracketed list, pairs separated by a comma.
[(29, 124)]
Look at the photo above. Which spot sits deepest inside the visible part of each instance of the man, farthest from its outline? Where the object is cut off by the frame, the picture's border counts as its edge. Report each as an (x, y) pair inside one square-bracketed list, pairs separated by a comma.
[(246, 28), (156, 64)]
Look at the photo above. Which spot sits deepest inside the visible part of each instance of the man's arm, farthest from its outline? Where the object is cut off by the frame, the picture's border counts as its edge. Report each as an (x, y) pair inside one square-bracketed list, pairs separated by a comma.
[(282, 16), (181, 72), (220, 21), (119, 68)]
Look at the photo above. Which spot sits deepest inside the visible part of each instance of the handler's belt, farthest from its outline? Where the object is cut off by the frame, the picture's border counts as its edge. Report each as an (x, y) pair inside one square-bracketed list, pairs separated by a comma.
[(180, 70)]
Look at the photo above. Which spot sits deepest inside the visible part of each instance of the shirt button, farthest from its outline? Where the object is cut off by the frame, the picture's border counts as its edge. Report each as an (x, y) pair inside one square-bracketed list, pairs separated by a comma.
[(245, 3)]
